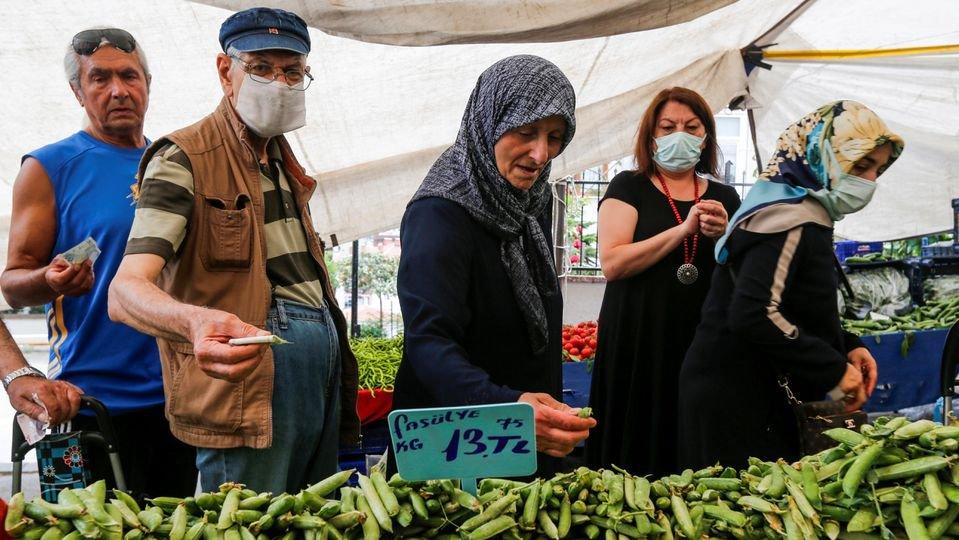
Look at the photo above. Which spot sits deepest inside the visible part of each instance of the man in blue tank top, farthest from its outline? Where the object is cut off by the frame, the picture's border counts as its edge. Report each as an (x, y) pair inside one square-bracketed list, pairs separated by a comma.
[(67, 191)]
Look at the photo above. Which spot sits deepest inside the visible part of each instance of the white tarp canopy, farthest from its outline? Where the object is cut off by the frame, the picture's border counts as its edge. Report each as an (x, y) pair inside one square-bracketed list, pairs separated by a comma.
[(410, 22), (378, 114)]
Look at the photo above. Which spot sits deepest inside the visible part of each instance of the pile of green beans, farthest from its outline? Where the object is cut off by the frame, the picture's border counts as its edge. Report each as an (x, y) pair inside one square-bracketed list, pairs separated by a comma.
[(378, 360), (891, 479), (935, 314)]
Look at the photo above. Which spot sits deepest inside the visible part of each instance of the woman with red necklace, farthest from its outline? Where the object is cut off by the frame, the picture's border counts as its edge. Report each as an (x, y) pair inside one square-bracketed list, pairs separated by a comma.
[(657, 228)]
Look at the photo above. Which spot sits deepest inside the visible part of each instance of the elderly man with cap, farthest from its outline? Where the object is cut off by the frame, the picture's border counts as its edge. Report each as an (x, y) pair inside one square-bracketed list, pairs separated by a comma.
[(223, 247), (67, 191)]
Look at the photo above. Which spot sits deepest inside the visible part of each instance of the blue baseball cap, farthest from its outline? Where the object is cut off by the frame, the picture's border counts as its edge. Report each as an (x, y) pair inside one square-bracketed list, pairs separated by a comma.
[(259, 29)]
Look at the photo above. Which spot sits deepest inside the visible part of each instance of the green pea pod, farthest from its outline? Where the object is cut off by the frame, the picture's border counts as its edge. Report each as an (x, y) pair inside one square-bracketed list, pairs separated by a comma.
[(127, 514), (263, 524), (930, 484), (375, 504), (210, 532), (280, 505), (681, 513), (52, 533), (863, 521), (230, 505), (99, 491), (530, 509), (643, 487), (863, 463), (233, 533), (492, 528), (911, 521), (811, 486), (205, 501), (330, 484), (466, 500), (732, 517), (38, 513), (493, 511), (385, 493), (15, 508), (348, 520), (178, 520), (255, 502), (629, 491), (845, 436), (759, 505), (306, 522), (912, 468), (940, 525), (565, 518), (86, 525), (246, 517), (547, 526), (35, 532), (832, 529), (132, 534), (913, 430), (721, 484), (62, 511)]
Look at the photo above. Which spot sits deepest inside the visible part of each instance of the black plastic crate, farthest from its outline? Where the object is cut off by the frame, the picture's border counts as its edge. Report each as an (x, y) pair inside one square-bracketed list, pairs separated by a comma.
[(930, 267), (955, 224), (910, 267)]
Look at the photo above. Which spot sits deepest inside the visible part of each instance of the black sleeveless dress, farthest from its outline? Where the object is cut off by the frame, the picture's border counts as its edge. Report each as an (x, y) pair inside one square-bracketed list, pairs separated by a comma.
[(646, 324)]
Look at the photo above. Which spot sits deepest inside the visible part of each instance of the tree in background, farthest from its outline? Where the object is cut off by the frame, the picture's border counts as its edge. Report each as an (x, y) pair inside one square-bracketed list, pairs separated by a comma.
[(377, 277)]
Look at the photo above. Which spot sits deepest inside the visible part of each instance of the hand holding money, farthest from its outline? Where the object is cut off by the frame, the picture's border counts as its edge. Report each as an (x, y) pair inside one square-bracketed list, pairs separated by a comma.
[(69, 279)]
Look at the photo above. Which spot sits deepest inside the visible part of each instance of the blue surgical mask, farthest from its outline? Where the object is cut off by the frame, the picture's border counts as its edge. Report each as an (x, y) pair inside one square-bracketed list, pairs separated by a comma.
[(678, 152), (848, 192)]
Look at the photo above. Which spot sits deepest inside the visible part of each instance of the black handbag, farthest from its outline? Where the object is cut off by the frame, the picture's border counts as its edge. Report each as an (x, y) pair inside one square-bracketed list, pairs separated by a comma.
[(815, 417)]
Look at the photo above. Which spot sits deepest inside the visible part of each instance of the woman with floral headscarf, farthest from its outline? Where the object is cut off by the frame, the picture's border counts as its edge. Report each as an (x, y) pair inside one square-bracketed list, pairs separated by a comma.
[(482, 310), (771, 311)]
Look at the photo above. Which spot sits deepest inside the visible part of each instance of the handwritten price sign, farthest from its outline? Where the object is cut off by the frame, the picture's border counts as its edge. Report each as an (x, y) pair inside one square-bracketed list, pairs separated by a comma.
[(464, 442)]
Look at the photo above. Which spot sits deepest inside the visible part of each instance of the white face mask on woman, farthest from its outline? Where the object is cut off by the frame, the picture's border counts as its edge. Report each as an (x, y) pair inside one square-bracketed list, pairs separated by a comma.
[(271, 109), (678, 152), (848, 192)]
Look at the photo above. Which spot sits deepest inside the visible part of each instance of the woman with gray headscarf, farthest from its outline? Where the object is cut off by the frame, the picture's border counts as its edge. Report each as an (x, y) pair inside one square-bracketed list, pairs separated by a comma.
[(482, 310)]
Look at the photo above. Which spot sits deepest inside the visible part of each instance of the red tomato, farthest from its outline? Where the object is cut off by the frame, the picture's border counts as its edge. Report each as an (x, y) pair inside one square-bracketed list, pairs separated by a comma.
[(567, 346), (587, 352), (592, 343), (574, 351)]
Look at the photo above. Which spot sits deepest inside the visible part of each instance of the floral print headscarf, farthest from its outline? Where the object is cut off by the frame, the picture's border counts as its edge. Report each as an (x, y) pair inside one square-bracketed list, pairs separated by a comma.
[(802, 165)]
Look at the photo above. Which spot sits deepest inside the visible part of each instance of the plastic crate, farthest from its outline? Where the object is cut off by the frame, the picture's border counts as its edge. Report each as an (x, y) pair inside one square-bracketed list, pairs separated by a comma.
[(911, 268), (946, 248), (849, 248), (955, 224), (930, 267)]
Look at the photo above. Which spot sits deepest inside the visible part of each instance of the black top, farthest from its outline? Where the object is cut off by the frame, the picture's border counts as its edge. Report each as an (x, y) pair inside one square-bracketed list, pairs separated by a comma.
[(645, 325), (465, 341), (778, 316)]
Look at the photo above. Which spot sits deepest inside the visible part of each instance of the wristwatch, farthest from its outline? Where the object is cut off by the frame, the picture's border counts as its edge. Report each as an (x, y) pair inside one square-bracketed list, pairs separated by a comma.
[(26, 371)]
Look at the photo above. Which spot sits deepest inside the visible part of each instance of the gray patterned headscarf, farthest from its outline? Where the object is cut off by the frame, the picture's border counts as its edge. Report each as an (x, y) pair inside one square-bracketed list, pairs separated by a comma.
[(513, 92)]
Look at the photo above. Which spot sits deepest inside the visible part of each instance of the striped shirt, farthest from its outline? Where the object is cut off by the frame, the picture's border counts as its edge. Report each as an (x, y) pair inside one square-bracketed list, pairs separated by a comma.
[(165, 208)]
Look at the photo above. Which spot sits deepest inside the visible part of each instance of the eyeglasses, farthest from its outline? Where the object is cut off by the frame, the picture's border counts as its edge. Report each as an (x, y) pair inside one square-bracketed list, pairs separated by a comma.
[(264, 73), (88, 41)]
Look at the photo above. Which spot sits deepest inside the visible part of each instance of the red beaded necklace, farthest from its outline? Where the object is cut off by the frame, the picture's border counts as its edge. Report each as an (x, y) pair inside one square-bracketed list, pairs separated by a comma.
[(687, 273)]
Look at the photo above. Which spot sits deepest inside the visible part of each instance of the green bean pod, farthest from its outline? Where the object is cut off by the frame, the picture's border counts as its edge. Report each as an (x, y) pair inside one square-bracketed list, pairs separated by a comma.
[(863, 463), (371, 527), (909, 511), (330, 484), (380, 513), (930, 484)]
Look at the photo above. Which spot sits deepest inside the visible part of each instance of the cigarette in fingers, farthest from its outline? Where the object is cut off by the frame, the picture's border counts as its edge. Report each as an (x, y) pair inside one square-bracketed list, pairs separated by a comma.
[(259, 340)]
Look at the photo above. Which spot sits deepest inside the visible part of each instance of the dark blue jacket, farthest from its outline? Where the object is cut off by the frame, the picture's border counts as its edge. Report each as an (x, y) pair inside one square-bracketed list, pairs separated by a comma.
[(465, 339)]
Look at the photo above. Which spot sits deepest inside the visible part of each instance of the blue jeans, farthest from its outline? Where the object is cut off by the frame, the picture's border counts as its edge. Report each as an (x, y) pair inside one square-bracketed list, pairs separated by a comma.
[(306, 410)]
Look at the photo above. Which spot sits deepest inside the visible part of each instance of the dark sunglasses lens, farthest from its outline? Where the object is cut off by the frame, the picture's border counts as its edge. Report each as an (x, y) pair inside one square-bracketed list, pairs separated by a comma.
[(89, 40)]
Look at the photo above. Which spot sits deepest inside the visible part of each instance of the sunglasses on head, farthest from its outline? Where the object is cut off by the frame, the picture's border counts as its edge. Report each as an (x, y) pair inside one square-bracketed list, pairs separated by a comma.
[(88, 41)]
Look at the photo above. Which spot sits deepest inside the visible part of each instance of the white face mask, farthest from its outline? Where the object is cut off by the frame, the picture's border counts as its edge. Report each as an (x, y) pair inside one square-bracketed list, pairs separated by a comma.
[(848, 193), (270, 109)]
